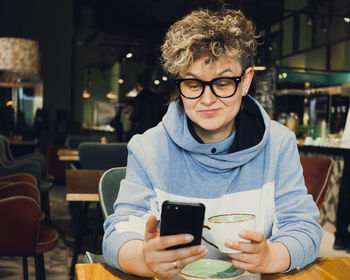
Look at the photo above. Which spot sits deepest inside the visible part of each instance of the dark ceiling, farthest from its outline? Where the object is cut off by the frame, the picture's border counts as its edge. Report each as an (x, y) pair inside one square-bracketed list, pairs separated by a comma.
[(110, 28)]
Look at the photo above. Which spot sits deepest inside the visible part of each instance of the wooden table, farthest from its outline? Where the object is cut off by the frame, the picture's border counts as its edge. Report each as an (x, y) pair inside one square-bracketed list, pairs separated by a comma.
[(322, 268), (66, 154), (21, 147), (82, 188), (82, 184)]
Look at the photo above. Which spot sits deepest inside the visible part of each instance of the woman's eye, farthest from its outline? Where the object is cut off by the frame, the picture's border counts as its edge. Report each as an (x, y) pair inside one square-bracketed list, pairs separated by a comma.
[(193, 85), (223, 83)]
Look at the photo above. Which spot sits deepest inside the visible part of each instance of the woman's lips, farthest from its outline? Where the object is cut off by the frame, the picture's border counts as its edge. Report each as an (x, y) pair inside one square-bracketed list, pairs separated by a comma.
[(209, 112)]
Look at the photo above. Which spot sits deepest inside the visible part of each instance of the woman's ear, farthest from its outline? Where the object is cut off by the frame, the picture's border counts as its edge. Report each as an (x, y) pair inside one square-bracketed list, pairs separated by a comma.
[(247, 80)]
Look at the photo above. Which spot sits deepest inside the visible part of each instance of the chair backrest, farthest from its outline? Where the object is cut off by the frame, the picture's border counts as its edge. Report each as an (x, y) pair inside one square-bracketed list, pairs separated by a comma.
[(19, 220), (102, 156), (108, 189), (75, 140), (6, 149), (20, 189), (317, 174), (19, 177), (3, 151)]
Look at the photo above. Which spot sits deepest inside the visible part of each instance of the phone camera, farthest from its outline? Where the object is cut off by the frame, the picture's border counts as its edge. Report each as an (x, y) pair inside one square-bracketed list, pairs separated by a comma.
[(176, 207)]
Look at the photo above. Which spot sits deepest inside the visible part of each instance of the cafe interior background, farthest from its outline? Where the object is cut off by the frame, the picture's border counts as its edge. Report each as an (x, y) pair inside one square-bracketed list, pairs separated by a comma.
[(85, 56)]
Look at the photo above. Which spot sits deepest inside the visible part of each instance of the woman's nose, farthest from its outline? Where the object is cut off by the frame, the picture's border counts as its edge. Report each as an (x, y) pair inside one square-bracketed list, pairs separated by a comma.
[(208, 97)]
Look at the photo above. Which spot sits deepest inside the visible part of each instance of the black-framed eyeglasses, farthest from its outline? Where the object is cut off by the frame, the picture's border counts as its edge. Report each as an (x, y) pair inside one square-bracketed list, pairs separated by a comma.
[(222, 87)]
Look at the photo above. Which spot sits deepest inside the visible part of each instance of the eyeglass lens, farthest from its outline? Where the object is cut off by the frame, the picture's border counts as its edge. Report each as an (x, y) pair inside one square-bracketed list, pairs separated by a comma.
[(221, 87)]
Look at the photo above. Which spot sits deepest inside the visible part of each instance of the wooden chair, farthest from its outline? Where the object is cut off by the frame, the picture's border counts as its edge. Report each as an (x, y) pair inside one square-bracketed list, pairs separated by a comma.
[(21, 233), (317, 174)]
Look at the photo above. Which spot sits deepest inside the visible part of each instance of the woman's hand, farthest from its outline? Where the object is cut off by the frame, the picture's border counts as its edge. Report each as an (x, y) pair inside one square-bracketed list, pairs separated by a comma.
[(259, 256), (166, 264)]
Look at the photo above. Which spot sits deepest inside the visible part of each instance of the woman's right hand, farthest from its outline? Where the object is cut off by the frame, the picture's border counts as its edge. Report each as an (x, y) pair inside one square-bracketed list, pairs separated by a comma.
[(166, 264)]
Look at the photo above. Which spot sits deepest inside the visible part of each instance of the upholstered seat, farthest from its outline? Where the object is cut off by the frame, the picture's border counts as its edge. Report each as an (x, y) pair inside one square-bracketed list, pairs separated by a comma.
[(21, 188), (102, 156), (108, 190), (21, 233), (19, 177), (8, 158), (317, 174), (34, 168)]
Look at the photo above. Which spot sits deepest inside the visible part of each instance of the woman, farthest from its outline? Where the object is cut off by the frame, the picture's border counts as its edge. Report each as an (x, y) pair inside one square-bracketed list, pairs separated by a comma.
[(215, 145)]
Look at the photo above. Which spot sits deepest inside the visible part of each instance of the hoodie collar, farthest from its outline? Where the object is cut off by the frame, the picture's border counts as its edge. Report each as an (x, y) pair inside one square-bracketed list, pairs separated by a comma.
[(252, 125)]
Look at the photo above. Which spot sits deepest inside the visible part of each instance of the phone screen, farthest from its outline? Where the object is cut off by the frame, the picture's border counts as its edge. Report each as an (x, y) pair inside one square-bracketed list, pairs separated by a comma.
[(182, 217)]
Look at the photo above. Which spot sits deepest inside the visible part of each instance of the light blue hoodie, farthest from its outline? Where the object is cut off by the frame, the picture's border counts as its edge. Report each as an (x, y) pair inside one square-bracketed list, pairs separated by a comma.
[(266, 179)]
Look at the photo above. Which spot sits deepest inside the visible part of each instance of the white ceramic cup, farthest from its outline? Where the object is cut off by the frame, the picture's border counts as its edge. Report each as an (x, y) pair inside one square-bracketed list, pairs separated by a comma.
[(228, 226)]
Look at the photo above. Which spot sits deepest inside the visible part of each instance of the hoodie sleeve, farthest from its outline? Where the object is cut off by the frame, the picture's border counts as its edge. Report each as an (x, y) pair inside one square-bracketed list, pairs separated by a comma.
[(295, 211), (135, 203)]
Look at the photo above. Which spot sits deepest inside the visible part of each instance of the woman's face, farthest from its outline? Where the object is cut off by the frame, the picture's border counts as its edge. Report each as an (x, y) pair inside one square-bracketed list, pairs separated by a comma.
[(213, 117)]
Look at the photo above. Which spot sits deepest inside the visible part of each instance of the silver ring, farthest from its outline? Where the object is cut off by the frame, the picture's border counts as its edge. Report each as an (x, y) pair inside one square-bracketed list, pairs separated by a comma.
[(175, 264)]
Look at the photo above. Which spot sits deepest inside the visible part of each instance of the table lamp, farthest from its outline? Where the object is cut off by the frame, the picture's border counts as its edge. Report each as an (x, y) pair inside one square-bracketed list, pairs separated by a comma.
[(19, 59)]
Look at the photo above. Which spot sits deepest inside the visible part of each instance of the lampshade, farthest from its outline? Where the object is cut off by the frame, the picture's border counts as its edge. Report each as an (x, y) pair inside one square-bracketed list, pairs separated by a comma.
[(19, 58)]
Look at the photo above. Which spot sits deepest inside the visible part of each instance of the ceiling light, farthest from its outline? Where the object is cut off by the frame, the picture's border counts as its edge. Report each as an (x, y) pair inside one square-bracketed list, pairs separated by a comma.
[(86, 94), (9, 103), (347, 16), (323, 26), (164, 78), (111, 95), (156, 82), (309, 20), (129, 55), (259, 68), (121, 81), (132, 93)]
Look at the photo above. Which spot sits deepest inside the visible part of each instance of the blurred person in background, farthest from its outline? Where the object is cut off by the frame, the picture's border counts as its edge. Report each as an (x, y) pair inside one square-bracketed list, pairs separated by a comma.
[(342, 235), (148, 108)]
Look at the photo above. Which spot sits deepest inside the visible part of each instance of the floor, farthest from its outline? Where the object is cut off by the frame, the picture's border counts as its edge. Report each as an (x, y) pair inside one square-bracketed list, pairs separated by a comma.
[(57, 262)]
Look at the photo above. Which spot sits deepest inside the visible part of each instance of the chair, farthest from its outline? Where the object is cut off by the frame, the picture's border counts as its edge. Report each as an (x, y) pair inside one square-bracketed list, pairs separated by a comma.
[(21, 188), (34, 168), (8, 158), (19, 177), (317, 174), (73, 141), (102, 156), (108, 190), (97, 156), (21, 233)]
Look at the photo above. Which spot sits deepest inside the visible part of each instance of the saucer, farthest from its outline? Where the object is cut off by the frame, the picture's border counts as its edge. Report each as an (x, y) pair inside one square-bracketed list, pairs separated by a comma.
[(210, 269)]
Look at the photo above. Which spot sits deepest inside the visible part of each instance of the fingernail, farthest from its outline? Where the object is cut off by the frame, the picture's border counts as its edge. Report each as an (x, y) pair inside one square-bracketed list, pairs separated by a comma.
[(243, 233), (201, 249), (229, 243), (188, 237)]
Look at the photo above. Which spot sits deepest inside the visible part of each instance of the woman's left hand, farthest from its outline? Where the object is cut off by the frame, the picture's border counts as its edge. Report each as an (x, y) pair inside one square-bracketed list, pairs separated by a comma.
[(259, 256)]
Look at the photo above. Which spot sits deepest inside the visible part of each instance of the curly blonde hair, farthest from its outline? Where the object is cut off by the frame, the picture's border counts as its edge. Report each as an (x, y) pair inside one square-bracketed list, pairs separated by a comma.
[(216, 34)]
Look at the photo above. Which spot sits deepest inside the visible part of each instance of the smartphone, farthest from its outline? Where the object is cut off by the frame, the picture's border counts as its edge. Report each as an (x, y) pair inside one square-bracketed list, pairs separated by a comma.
[(182, 217)]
